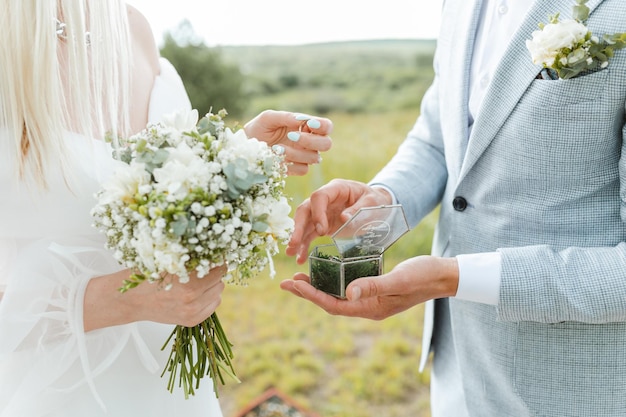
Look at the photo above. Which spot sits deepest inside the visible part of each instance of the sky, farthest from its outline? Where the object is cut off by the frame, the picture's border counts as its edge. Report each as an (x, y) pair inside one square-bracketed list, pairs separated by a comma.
[(293, 22)]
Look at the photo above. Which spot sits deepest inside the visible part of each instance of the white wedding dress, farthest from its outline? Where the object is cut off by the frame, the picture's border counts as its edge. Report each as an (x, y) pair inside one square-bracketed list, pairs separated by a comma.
[(48, 252)]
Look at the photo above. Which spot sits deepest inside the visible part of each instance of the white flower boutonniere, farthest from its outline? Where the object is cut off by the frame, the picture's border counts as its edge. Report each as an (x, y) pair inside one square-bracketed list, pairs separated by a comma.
[(566, 48)]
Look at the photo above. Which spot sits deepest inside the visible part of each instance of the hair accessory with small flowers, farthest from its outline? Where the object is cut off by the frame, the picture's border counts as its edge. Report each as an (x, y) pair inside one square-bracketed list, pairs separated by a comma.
[(566, 48)]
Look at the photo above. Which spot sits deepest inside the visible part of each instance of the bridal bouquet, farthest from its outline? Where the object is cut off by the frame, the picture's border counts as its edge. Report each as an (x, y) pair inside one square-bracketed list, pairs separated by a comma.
[(190, 197), (565, 48)]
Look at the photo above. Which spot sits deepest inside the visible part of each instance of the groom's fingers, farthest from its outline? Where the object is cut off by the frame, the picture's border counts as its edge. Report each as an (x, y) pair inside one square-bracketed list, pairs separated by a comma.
[(300, 286), (366, 307)]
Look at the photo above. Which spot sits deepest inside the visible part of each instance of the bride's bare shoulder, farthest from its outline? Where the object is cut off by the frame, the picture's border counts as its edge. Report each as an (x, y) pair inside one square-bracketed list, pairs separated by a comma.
[(143, 38), (146, 67)]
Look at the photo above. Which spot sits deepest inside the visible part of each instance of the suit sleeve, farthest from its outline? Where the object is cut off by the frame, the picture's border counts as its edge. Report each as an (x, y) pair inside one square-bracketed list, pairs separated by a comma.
[(417, 173), (582, 284)]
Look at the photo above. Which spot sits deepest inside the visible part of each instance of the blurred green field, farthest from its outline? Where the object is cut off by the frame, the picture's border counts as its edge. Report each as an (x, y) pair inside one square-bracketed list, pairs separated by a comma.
[(342, 77), (335, 366)]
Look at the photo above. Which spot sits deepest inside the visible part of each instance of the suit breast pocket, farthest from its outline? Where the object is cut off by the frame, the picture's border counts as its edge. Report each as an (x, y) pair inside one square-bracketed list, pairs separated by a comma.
[(566, 129), (566, 99)]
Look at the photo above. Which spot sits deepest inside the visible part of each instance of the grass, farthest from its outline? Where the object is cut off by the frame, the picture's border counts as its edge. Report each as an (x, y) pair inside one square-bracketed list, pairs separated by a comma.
[(334, 366)]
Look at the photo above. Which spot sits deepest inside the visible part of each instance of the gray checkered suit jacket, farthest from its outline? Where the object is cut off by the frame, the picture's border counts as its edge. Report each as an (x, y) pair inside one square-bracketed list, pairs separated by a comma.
[(543, 180)]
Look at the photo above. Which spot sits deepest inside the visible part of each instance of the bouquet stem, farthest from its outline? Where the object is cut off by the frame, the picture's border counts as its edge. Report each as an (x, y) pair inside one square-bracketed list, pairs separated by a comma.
[(196, 352)]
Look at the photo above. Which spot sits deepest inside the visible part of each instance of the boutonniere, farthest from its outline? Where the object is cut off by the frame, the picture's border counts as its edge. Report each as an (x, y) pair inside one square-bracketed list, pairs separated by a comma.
[(566, 48)]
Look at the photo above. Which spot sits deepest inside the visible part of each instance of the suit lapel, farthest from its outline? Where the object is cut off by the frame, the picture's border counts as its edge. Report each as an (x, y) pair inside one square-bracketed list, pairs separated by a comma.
[(511, 79), (458, 86)]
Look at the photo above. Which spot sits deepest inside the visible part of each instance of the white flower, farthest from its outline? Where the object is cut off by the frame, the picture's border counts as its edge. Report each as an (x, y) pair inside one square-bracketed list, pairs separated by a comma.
[(548, 42), (280, 222), (124, 183), (240, 145), (144, 189), (144, 243), (184, 154), (160, 223), (181, 172), (183, 120), (196, 208), (229, 229)]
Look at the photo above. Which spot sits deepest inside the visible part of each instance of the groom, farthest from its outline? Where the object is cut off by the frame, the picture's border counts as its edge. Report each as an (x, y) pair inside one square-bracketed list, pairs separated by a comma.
[(528, 271)]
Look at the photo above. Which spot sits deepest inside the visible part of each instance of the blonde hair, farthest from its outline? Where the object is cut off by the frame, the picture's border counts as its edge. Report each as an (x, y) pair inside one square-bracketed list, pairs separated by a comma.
[(52, 83)]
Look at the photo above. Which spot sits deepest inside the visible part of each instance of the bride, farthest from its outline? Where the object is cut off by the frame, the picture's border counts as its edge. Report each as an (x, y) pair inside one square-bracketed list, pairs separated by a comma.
[(70, 344)]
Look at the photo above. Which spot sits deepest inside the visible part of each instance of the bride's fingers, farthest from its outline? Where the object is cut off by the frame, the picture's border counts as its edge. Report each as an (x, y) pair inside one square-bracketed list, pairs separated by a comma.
[(213, 298), (195, 308), (310, 141), (312, 124), (297, 159), (296, 155), (297, 169)]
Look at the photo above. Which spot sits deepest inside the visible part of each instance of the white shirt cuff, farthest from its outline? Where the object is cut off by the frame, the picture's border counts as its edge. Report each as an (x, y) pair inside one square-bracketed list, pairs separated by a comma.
[(479, 273), (479, 277)]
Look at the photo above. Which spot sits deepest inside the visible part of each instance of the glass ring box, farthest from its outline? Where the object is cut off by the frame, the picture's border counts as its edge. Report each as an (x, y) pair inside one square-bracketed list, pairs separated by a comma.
[(358, 248)]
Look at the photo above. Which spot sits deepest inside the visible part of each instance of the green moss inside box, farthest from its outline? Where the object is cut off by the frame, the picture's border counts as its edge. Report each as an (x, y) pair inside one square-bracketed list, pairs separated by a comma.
[(358, 248)]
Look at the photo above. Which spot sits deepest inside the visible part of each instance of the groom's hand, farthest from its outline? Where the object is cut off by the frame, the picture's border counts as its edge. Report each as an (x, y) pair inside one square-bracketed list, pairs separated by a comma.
[(328, 209), (411, 282)]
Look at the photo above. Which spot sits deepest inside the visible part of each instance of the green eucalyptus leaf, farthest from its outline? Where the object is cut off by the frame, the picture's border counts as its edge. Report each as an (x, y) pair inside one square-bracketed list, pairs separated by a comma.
[(580, 12), (144, 157), (239, 178), (179, 226), (141, 145), (617, 40), (268, 164), (260, 226), (125, 155), (552, 19), (576, 56), (203, 125), (160, 156)]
